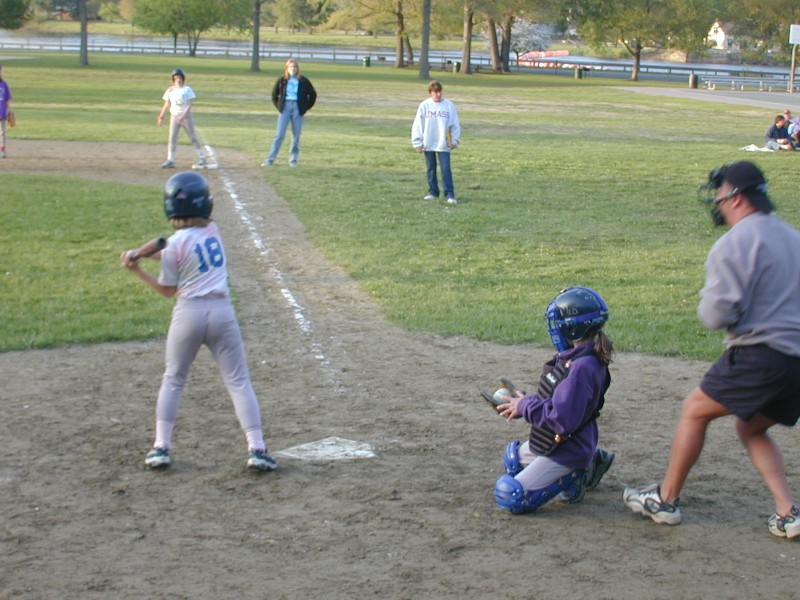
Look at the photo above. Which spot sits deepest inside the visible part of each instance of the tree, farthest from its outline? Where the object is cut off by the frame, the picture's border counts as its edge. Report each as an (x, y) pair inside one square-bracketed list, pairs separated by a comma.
[(83, 15), (466, 49), (15, 13), (377, 16), (187, 17), (640, 24), (424, 67), (768, 21), (256, 55), (292, 13), (157, 17), (109, 11), (494, 53)]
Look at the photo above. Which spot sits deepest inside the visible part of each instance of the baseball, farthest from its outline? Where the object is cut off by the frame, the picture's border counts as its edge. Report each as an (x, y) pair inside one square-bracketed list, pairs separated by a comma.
[(502, 395)]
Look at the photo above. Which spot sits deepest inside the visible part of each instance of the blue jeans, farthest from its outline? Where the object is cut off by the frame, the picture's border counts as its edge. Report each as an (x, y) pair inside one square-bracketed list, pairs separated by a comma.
[(290, 113), (447, 176)]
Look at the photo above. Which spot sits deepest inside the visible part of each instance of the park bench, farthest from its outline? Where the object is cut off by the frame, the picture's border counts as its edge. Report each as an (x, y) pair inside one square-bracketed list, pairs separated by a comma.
[(732, 82)]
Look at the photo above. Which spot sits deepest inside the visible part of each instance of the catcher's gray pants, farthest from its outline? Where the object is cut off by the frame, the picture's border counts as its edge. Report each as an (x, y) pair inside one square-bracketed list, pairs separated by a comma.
[(210, 322), (539, 471), (174, 130)]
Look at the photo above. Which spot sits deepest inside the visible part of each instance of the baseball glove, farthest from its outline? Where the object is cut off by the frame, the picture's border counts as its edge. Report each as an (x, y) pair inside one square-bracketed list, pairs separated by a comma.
[(11, 117), (506, 383)]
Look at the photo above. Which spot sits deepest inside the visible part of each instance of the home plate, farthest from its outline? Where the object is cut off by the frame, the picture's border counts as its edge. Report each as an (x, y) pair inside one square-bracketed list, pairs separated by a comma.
[(332, 448)]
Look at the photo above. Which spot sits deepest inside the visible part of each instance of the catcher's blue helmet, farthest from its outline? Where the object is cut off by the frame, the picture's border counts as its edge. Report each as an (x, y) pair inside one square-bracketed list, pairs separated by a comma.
[(186, 195), (574, 314)]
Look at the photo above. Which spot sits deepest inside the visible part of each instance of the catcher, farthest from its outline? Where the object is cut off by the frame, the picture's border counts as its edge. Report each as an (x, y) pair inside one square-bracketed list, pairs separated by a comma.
[(561, 458)]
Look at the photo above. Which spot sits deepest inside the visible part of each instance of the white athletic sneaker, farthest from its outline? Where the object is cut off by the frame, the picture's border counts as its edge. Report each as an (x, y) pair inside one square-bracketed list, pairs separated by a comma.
[(452, 200), (788, 526), (158, 457), (429, 197), (266, 163), (260, 460), (168, 165), (647, 501)]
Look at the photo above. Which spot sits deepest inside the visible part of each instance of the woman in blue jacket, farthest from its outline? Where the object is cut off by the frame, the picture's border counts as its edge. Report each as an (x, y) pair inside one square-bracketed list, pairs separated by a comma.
[(293, 96)]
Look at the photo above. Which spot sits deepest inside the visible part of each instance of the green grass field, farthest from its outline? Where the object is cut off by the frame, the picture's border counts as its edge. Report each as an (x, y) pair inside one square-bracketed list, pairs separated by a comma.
[(561, 182)]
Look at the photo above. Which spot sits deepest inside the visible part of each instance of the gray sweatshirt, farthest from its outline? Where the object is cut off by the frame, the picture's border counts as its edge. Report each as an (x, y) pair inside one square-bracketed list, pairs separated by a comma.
[(752, 285)]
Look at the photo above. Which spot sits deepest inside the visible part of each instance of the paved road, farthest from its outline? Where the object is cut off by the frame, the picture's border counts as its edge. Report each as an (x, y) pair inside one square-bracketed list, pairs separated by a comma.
[(773, 100)]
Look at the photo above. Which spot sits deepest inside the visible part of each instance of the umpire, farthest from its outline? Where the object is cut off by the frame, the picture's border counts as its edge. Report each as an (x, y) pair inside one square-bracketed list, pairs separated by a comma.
[(752, 290)]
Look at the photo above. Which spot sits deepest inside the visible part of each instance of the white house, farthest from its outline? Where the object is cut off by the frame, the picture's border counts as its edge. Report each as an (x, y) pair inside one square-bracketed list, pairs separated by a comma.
[(720, 35)]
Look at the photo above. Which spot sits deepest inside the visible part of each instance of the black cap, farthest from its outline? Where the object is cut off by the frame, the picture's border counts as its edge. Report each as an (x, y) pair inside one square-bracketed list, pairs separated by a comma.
[(749, 180)]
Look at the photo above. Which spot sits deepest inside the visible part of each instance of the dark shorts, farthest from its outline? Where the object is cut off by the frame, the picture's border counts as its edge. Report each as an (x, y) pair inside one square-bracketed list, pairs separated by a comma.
[(756, 379)]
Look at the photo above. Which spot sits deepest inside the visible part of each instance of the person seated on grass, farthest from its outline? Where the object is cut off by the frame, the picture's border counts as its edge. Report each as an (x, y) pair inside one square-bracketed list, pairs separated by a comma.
[(777, 136), (793, 126)]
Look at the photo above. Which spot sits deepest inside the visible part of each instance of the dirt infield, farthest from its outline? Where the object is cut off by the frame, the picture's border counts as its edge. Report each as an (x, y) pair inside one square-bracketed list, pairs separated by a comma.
[(82, 517)]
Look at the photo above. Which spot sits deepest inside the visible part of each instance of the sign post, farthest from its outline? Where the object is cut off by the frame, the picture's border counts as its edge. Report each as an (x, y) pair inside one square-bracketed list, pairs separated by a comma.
[(794, 39)]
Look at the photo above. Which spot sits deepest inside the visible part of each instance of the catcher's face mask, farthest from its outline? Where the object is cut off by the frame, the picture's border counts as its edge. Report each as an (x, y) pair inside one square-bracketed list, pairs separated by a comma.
[(715, 179)]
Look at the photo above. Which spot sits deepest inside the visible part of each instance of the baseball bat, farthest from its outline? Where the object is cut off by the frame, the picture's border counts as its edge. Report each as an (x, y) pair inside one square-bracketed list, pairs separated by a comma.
[(148, 249)]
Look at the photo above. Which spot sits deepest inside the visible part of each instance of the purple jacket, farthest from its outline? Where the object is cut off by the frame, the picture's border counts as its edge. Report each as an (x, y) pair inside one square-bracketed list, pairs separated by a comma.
[(573, 402), (5, 96)]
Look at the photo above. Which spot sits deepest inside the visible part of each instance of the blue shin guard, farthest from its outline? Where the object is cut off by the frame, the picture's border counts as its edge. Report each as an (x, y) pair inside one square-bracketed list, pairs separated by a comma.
[(511, 458), (511, 496)]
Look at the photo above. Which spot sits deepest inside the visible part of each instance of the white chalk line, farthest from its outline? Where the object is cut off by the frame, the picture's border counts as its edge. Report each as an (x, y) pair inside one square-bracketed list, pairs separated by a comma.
[(333, 448), (264, 249)]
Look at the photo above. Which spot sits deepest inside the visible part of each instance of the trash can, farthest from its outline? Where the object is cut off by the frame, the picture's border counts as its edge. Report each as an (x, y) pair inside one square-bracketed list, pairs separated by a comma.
[(456, 67), (578, 73), (366, 61), (692, 81)]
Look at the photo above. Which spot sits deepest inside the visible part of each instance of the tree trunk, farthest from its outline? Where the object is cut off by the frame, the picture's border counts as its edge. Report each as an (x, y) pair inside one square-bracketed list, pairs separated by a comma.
[(505, 45), (424, 67), (492, 35), (637, 61), (399, 61), (409, 50), (256, 53), (466, 53), (84, 17)]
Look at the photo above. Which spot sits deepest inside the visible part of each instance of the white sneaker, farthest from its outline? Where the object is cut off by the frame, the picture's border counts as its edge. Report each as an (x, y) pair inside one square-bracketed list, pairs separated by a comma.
[(647, 501), (168, 165), (452, 200), (202, 162), (788, 526), (260, 460), (429, 197), (266, 163), (157, 458)]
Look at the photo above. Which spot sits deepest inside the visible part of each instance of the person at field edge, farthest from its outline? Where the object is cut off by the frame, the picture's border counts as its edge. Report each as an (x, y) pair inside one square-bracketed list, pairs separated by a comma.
[(5, 106), (570, 395), (178, 101), (777, 136), (293, 96), (752, 290), (436, 132), (194, 268)]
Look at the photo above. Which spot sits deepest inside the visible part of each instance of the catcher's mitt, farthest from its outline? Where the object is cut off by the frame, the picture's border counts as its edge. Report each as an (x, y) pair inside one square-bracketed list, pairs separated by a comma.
[(11, 117), (506, 383)]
